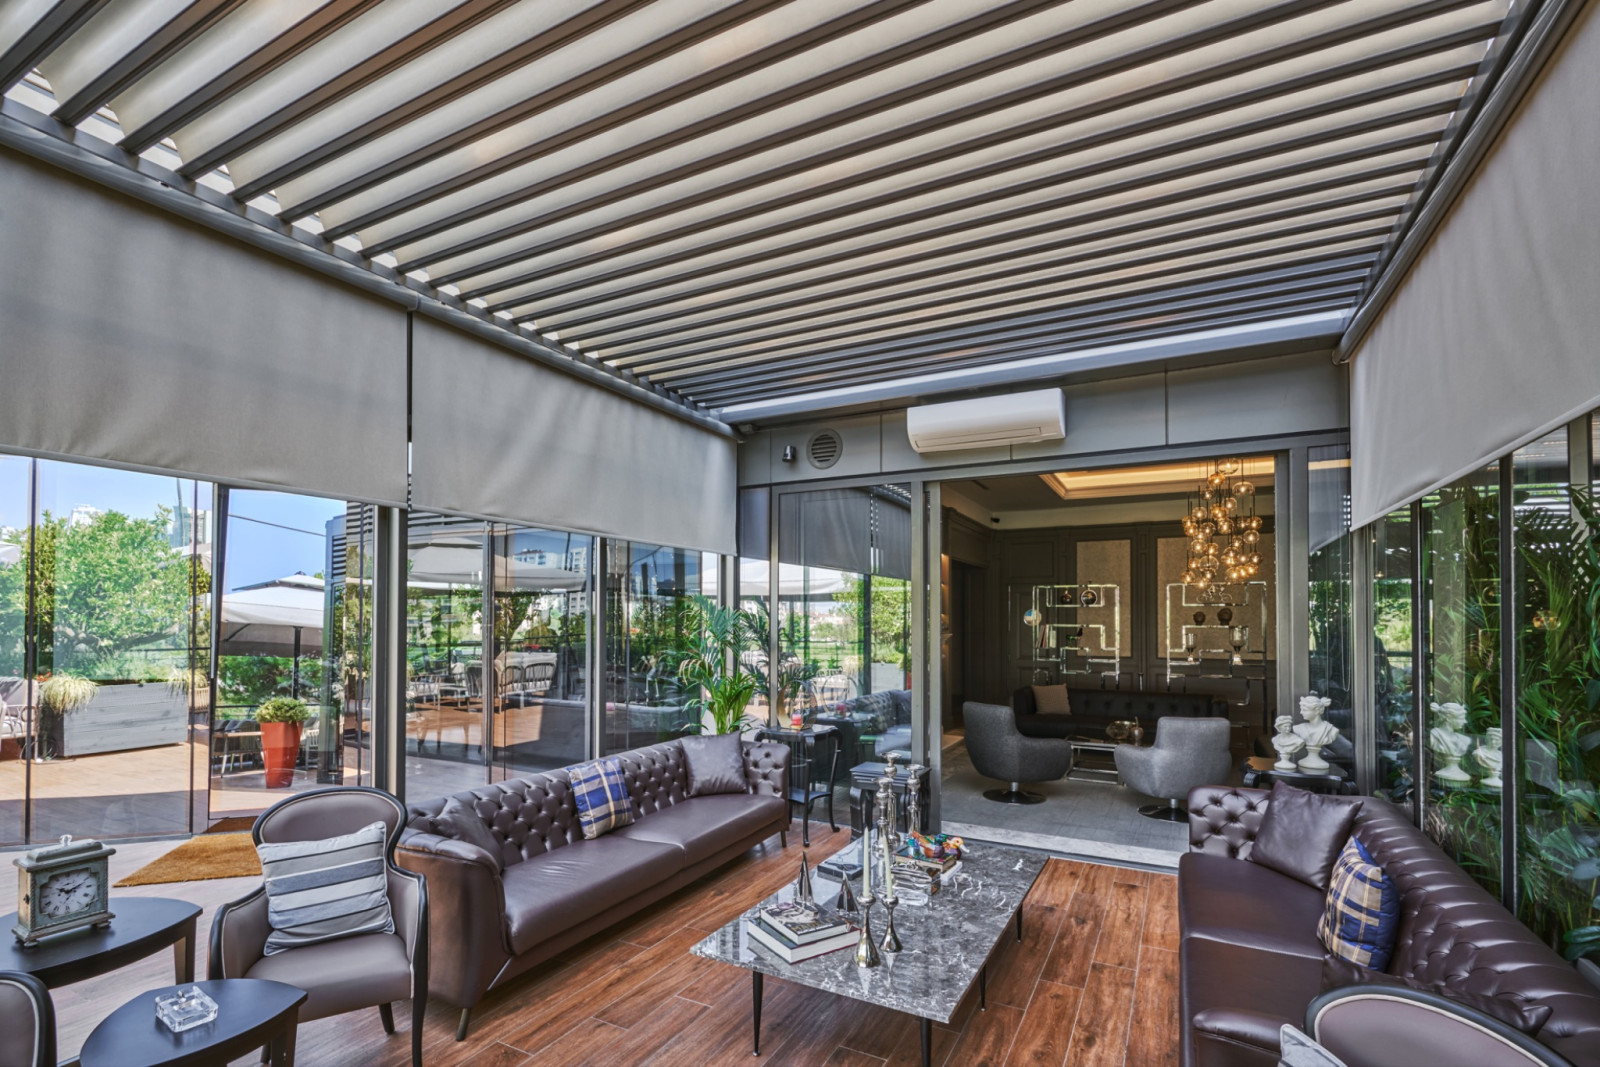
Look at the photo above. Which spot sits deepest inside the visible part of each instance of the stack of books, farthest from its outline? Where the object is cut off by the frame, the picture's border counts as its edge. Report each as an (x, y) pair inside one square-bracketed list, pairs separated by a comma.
[(942, 866), (793, 932)]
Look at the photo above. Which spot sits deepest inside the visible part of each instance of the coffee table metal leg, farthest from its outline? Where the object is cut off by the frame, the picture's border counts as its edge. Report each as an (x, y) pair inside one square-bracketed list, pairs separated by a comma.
[(927, 1042), (755, 1003), (983, 988), (1019, 922), (183, 955)]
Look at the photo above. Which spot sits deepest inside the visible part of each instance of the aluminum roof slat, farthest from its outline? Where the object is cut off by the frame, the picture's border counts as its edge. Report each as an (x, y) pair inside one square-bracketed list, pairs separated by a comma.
[(378, 42), (941, 216), (1078, 102), (31, 29), (907, 169)]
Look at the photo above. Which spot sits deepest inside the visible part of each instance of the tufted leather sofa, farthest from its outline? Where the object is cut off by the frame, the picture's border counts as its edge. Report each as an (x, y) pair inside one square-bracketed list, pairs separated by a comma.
[(1251, 960), (1095, 709), (492, 917)]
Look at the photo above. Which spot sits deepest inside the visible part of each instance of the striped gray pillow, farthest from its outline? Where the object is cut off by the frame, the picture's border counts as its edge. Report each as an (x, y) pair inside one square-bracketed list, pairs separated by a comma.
[(321, 890)]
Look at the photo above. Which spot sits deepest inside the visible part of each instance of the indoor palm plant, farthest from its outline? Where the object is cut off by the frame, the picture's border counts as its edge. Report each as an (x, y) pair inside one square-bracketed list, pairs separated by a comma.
[(281, 719), (708, 667)]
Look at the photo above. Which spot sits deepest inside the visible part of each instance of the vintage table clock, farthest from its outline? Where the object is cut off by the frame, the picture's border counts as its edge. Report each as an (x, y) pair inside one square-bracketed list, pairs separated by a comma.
[(62, 887)]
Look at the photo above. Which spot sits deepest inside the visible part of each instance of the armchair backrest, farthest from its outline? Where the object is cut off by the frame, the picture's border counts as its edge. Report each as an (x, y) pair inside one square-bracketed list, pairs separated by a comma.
[(28, 1032), (991, 735), (1193, 735), (320, 813)]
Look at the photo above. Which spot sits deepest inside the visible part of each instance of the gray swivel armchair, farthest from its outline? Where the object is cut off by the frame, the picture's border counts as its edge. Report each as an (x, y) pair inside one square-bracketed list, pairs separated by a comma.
[(351, 973), (999, 750), (28, 1032), (1187, 753)]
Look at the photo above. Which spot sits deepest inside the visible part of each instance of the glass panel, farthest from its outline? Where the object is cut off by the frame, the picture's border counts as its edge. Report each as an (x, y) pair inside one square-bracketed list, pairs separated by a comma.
[(15, 699), (1104, 569), (1461, 569), (1394, 665), (646, 626), (541, 641), (1556, 567), (1330, 573), (296, 618), (444, 655), (117, 568)]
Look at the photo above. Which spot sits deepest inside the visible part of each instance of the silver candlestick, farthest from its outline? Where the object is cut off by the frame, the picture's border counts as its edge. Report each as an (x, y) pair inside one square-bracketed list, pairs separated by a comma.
[(866, 947), (914, 775), (891, 938)]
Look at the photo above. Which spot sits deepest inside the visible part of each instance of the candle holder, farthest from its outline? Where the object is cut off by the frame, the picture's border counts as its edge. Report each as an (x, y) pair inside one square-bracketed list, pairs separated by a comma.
[(866, 946), (891, 937), (914, 776)]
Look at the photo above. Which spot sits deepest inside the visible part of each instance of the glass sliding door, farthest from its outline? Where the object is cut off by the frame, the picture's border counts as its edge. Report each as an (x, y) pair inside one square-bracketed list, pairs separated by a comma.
[(1394, 576), (542, 584), (295, 624), (647, 588), (1461, 575), (120, 570), (1329, 567), (16, 700)]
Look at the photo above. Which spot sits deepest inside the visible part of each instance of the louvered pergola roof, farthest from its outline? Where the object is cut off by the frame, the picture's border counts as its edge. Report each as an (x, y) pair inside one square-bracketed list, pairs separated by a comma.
[(745, 200)]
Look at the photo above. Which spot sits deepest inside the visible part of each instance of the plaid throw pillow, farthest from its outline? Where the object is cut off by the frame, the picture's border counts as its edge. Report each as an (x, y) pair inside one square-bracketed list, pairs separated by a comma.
[(1361, 919), (602, 797)]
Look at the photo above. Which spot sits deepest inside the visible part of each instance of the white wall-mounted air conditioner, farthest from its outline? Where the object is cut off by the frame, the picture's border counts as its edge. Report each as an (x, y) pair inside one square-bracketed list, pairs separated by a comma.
[(988, 422)]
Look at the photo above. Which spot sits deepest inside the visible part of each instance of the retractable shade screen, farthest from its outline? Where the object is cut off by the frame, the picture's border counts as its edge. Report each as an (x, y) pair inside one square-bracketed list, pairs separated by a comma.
[(738, 200)]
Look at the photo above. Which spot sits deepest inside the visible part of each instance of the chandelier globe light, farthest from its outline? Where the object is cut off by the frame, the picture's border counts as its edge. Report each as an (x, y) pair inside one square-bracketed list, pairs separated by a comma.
[(1223, 529)]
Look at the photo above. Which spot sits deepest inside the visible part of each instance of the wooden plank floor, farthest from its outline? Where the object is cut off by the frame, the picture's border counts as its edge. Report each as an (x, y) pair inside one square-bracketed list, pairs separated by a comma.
[(1099, 950)]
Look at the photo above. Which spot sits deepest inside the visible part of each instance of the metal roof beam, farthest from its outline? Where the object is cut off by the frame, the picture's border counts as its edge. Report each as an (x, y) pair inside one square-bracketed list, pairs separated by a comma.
[(60, 21)]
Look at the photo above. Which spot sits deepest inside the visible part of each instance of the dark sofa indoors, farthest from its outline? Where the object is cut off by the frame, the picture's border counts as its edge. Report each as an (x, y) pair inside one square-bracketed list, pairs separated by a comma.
[(492, 917), (1095, 709), (1250, 958)]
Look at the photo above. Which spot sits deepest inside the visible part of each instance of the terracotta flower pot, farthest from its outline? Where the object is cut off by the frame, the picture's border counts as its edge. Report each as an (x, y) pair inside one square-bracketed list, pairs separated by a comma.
[(280, 749)]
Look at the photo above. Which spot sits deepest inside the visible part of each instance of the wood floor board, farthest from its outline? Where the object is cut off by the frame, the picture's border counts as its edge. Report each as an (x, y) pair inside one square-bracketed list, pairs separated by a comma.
[(1013, 975), (987, 1037), (1155, 1006), (652, 1031), (1079, 933), (1047, 1026), (849, 1057), (1161, 913), (1124, 924), (577, 1044), (1100, 1037)]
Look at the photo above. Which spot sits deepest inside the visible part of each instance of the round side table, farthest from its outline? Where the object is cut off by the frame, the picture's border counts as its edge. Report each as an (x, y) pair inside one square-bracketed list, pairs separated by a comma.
[(251, 1013)]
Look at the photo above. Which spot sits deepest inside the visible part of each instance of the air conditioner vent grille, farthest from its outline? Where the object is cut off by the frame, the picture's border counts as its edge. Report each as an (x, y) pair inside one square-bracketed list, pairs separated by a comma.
[(824, 449)]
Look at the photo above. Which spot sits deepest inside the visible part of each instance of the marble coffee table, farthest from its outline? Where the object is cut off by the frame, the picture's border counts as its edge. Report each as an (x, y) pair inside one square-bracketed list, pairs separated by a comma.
[(947, 943)]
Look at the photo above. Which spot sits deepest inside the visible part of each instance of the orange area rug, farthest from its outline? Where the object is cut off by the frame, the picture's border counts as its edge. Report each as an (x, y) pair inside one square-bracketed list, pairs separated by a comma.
[(200, 859)]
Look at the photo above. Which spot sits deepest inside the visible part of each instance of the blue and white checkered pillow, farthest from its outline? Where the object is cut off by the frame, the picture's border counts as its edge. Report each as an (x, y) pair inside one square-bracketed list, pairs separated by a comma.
[(602, 796), (1361, 919)]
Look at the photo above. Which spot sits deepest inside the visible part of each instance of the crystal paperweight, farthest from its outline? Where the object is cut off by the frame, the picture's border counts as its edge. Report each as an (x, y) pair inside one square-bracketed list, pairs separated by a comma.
[(184, 1008)]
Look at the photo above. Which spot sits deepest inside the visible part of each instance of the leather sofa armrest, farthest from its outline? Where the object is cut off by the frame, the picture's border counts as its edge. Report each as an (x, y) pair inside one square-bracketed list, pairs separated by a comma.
[(766, 768), (1244, 1025), (1224, 821), (465, 909), (238, 936), (1400, 1025)]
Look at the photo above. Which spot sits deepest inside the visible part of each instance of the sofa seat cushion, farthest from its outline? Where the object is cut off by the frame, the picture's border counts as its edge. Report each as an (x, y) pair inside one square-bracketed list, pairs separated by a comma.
[(557, 890), (703, 826), (895, 737), (343, 975), (1237, 902), (1243, 995)]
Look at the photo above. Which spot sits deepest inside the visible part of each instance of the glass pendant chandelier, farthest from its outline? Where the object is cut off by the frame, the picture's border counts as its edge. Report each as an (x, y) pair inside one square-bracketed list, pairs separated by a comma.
[(1224, 531)]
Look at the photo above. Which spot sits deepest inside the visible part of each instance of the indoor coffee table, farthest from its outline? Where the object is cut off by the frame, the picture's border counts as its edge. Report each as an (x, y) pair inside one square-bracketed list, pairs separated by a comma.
[(251, 1014), (947, 943)]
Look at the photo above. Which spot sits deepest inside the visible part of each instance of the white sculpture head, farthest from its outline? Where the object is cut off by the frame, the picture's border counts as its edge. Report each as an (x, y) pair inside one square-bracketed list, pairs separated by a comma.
[(1283, 723), (1313, 707), (1451, 714)]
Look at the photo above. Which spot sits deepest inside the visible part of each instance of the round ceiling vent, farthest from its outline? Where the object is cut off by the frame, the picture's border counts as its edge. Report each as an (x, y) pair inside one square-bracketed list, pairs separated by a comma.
[(824, 449)]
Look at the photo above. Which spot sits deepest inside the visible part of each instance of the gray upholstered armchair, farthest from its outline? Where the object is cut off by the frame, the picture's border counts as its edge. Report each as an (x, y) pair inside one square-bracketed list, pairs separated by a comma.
[(1187, 753), (999, 750), (28, 1030), (351, 973)]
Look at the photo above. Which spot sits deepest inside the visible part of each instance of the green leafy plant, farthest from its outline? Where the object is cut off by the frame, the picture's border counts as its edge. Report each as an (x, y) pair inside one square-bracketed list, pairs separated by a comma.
[(58, 695), (708, 665), (282, 709)]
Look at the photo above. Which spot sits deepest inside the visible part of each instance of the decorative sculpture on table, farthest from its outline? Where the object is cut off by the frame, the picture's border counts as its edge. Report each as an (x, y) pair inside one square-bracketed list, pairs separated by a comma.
[(1449, 742), (1316, 732), (803, 892), (1286, 741), (1491, 758), (884, 808)]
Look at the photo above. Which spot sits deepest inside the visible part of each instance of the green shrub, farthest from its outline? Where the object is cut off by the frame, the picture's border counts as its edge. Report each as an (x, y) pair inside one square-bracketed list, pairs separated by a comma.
[(282, 709)]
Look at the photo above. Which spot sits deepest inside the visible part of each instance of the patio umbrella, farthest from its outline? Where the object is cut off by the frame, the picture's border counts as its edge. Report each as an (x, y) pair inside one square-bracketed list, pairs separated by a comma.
[(277, 618)]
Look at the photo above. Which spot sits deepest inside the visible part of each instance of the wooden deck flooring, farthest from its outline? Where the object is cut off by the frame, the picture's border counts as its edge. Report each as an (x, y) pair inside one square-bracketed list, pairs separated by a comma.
[(1099, 951)]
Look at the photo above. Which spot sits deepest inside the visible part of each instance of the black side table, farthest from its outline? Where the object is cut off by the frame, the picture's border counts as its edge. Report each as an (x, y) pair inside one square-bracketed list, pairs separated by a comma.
[(864, 783), (804, 755), (142, 927), (251, 1014), (1259, 773)]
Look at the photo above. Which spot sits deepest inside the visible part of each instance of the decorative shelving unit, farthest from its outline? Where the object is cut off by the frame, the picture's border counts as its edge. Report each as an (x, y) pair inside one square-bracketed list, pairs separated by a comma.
[(1235, 649), (1073, 638)]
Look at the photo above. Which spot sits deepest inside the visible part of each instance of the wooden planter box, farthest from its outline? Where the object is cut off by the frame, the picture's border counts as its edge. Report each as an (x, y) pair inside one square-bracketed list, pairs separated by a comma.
[(124, 716)]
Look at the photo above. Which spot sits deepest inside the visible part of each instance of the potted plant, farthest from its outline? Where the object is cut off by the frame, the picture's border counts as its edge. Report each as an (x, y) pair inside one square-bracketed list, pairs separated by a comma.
[(59, 694), (709, 670), (281, 719)]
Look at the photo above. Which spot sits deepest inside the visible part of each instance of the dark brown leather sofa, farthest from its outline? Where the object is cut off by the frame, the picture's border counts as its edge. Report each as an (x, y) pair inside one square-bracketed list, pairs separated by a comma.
[(492, 917), (1095, 709), (1251, 960)]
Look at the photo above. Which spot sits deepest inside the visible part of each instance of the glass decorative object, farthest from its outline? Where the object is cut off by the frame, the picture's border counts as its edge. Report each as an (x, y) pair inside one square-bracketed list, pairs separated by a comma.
[(185, 1008)]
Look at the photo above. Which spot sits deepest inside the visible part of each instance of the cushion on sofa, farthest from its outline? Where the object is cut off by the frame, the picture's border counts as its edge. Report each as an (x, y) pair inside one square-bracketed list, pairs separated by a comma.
[(1051, 700), (572, 884), (1362, 917), (462, 821), (715, 763), (1303, 833), (1239, 903), (704, 826), (601, 795), (1242, 996)]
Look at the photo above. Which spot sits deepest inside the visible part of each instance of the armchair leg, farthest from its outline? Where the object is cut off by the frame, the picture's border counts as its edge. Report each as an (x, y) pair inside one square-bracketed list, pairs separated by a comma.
[(461, 1027), (419, 1010), (783, 839), (1172, 811), (1015, 795), (387, 1011)]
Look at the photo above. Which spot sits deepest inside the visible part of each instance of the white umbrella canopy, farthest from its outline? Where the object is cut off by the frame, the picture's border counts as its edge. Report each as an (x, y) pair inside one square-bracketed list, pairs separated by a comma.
[(443, 562), (264, 619), (793, 581)]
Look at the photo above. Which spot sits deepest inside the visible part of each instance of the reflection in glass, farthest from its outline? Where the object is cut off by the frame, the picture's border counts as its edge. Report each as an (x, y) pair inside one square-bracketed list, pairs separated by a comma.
[(646, 588), (15, 698), (1461, 575), (296, 623), (1394, 661)]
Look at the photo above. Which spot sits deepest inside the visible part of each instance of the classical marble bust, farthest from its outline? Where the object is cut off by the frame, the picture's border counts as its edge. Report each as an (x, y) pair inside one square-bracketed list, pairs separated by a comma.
[(1449, 742), (1286, 741), (1315, 732)]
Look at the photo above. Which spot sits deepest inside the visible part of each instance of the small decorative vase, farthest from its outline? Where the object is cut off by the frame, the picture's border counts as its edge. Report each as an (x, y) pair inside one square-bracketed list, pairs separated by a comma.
[(1312, 761)]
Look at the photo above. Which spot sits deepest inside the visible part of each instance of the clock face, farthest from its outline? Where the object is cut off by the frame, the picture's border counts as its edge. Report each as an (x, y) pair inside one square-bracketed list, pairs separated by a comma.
[(66, 894)]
